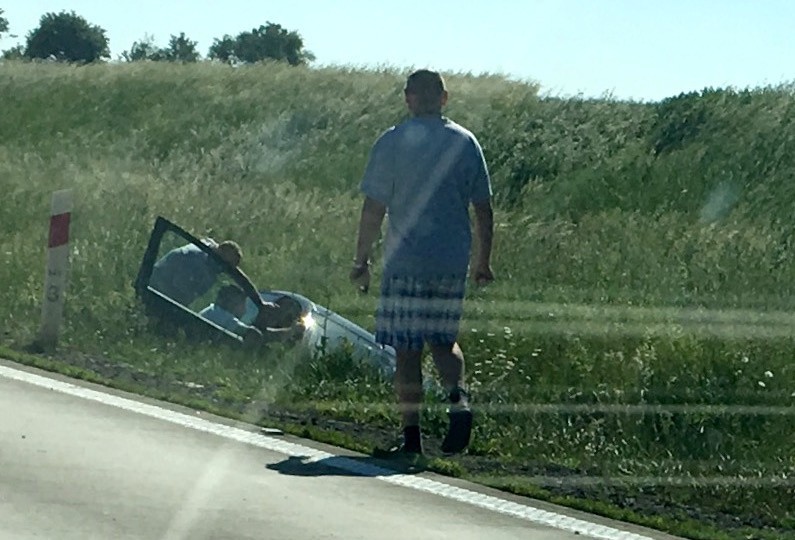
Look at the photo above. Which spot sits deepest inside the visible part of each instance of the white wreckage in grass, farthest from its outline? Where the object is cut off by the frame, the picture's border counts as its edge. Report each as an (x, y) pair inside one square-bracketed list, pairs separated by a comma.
[(187, 283)]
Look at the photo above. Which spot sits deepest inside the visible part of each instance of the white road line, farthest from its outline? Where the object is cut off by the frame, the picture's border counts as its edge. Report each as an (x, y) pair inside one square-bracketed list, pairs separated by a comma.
[(488, 502)]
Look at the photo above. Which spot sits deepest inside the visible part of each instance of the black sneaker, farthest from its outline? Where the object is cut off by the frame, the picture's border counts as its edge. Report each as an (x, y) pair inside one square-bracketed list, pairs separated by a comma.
[(459, 432)]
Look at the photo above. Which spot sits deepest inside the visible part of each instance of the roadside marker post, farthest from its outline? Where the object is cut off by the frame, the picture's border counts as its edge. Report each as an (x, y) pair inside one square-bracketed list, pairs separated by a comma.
[(56, 272)]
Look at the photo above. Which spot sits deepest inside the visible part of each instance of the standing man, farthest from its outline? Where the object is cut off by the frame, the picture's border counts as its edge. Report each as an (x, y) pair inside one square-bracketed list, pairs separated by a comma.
[(425, 173)]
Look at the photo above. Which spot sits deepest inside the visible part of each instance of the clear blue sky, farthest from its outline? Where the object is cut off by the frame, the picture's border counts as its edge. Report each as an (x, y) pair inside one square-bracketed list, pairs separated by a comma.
[(633, 49)]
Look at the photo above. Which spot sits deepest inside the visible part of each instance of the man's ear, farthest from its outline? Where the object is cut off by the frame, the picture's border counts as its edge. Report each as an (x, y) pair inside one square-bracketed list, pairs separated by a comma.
[(410, 99), (444, 98)]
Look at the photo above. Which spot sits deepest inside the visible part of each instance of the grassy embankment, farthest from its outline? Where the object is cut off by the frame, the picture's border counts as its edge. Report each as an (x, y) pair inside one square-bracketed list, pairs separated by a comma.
[(636, 349)]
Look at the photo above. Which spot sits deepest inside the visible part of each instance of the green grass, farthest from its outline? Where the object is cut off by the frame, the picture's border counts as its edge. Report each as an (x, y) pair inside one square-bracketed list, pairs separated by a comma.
[(641, 324)]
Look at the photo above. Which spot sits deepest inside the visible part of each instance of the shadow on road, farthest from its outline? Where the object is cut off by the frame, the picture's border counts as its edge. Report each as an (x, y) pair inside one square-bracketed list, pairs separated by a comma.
[(337, 466)]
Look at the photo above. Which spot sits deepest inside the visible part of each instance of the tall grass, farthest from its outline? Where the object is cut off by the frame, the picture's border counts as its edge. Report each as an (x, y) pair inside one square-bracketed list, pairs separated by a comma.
[(642, 318)]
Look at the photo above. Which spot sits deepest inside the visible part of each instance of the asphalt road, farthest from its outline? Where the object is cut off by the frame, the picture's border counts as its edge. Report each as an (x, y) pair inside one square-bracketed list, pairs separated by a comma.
[(73, 468)]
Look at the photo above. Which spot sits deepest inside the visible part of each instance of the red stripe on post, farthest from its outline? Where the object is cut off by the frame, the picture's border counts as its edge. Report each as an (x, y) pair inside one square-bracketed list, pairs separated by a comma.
[(59, 230)]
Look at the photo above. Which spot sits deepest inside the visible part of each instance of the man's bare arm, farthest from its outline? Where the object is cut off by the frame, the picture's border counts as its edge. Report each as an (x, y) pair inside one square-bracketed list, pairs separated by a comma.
[(484, 229), (373, 213), (251, 290), (372, 217)]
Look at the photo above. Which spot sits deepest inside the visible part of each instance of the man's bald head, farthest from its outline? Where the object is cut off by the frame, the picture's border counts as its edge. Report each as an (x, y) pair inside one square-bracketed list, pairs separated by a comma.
[(426, 92)]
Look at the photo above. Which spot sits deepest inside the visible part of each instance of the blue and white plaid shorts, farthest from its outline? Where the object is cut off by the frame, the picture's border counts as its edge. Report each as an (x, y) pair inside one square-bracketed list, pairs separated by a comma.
[(414, 311)]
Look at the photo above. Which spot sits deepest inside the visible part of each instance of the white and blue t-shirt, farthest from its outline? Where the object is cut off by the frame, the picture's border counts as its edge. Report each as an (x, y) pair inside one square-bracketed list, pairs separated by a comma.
[(427, 171)]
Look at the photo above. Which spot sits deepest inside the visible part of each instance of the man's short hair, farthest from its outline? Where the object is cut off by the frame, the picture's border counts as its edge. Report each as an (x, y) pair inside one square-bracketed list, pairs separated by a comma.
[(230, 251), (425, 82)]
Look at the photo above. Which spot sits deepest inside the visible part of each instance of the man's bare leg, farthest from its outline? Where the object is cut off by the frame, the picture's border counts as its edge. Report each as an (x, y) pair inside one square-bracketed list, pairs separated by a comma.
[(408, 386), (449, 360)]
